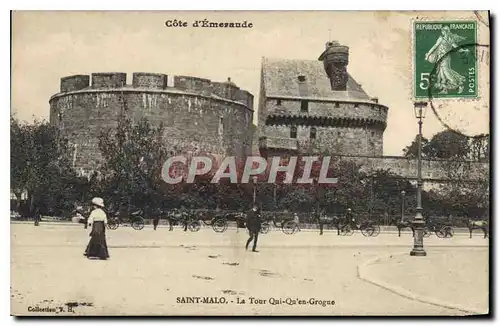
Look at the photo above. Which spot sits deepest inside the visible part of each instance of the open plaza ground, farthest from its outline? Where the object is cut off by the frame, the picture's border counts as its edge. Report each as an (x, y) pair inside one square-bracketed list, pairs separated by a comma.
[(207, 273)]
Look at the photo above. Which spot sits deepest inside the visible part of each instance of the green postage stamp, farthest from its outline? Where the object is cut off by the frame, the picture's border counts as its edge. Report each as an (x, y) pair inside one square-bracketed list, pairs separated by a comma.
[(445, 64)]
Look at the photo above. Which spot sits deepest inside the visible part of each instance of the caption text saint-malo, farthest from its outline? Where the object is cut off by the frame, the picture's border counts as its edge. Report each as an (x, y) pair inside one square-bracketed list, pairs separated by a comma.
[(207, 23)]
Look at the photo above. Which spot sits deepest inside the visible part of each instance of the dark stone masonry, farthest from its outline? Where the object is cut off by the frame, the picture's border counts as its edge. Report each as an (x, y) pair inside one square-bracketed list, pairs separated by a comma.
[(305, 107), (199, 115), (315, 106)]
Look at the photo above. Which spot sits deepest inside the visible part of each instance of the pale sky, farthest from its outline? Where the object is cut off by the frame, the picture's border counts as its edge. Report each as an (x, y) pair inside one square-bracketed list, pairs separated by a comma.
[(49, 45)]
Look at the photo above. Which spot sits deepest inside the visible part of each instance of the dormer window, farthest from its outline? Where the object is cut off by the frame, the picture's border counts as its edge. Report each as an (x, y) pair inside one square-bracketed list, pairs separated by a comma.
[(278, 102), (293, 132), (304, 106), (356, 106), (337, 105), (302, 78)]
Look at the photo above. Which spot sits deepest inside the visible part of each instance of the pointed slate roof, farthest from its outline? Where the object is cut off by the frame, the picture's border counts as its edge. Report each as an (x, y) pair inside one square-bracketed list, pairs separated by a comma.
[(280, 78)]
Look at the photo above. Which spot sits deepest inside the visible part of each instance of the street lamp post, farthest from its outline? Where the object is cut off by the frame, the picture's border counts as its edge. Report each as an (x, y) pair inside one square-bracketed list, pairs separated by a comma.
[(402, 205), (274, 196), (418, 221)]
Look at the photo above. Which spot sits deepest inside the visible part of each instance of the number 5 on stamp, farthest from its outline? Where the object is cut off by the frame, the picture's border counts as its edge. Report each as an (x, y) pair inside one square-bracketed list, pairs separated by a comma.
[(444, 54)]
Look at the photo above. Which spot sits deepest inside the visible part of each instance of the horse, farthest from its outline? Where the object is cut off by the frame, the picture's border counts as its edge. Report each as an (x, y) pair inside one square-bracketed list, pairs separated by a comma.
[(239, 217), (330, 221), (402, 225), (478, 224), (176, 216)]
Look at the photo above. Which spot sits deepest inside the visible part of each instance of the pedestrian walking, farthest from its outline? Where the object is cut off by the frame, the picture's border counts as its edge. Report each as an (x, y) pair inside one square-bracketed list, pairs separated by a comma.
[(185, 217), (296, 221), (253, 226), (349, 217), (37, 217), (156, 221), (317, 215), (97, 222)]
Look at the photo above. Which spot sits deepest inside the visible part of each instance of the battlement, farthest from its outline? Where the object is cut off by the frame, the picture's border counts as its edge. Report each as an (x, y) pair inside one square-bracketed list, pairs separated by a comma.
[(143, 81), (194, 84), (149, 80), (74, 83), (109, 79)]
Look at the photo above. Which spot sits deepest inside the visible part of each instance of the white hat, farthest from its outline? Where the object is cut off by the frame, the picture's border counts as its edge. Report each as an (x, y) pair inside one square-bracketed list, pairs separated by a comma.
[(98, 201)]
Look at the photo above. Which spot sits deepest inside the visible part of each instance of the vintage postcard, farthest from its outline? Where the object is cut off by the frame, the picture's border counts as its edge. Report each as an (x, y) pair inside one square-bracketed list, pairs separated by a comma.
[(241, 163)]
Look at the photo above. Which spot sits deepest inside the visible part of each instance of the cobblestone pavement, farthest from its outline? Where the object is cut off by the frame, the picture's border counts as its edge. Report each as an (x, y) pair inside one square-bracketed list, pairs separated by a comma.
[(152, 272)]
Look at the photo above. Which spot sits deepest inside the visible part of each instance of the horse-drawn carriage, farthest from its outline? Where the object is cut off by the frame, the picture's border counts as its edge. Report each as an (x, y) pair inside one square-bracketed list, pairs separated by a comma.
[(346, 225), (441, 228)]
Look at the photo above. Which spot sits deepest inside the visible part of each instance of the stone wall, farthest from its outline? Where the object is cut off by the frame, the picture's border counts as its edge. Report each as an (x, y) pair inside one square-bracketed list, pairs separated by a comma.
[(338, 140), (337, 109), (148, 80), (353, 128), (193, 122), (437, 170)]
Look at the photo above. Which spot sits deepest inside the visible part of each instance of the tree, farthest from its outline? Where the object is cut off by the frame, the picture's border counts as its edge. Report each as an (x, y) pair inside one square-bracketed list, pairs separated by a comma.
[(468, 193), (443, 145), (411, 151), (448, 144), (40, 166), (479, 148), (386, 192), (133, 157)]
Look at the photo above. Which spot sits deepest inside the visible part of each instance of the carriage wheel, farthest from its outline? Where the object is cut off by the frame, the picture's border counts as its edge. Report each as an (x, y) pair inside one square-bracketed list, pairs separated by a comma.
[(264, 228), (219, 225), (368, 231), (427, 232), (113, 224), (194, 226), (376, 230), (440, 233), (289, 227), (447, 232), (138, 223), (346, 230)]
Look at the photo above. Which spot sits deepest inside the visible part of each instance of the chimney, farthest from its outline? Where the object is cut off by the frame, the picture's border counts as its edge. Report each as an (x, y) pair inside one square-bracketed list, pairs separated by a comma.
[(335, 60)]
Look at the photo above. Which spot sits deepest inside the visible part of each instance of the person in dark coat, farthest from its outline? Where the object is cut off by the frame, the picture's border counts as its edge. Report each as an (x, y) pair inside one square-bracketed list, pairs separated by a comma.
[(349, 218), (253, 226), (97, 221), (156, 217), (185, 217), (37, 217), (156, 221)]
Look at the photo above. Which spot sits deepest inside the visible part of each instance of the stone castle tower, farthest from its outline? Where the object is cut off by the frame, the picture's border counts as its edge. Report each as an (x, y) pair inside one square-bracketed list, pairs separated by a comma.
[(315, 106), (198, 114)]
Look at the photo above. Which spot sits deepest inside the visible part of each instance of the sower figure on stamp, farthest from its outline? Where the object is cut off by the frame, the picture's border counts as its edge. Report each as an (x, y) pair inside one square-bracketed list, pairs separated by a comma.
[(446, 77), (253, 226), (97, 247)]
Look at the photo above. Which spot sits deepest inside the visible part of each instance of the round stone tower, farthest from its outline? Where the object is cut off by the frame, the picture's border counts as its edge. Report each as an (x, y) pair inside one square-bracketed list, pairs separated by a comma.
[(199, 115), (315, 106)]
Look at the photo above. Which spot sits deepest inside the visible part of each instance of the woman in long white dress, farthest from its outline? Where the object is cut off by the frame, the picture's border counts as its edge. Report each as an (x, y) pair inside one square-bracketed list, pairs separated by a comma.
[(446, 77), (97, 222)]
